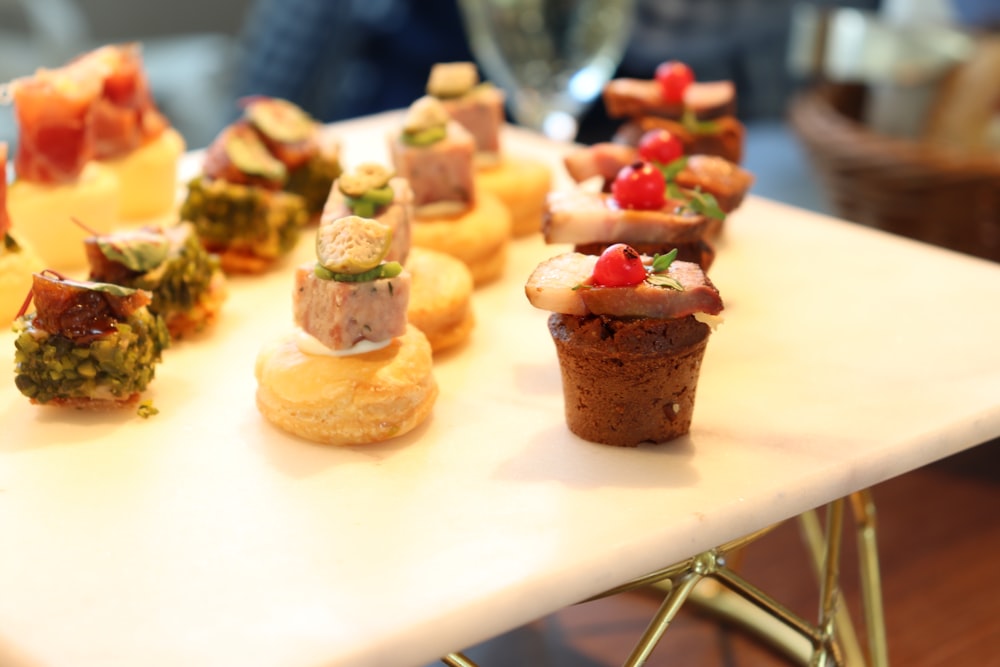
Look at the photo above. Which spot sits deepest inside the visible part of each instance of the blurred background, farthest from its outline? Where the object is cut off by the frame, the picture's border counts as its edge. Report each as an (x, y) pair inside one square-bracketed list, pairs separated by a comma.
[(343, 58)]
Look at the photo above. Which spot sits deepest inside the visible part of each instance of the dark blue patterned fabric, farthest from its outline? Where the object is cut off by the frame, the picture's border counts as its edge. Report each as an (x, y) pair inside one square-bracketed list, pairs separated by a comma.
[(343, 58)]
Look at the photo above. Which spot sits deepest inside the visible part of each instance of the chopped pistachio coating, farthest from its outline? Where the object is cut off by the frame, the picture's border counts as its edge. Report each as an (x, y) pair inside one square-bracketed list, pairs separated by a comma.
[(352, 244), (313, 181), (51, 366), (263, 222), (179, 283)]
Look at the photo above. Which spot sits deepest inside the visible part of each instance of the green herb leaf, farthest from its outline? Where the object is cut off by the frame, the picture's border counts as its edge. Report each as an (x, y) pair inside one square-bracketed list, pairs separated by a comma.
[(691, 123), (662, 262), (139, 250), (671, 170), (706, 204), (108, 288), (10, 244)]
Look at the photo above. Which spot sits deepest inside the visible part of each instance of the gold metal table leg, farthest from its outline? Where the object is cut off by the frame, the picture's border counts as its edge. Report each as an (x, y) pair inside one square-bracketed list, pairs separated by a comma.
[(708, 581)]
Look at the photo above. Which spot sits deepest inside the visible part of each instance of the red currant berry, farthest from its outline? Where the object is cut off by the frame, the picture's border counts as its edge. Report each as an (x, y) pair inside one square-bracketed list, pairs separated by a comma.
[(619, 265), (639, 186), (674, 77), (660, 146)]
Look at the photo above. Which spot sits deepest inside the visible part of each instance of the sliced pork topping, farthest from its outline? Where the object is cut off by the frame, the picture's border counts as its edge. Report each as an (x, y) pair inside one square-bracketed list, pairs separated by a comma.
[(441, 171), (604, 159), (563, 284), (580, 217), (342, 314)]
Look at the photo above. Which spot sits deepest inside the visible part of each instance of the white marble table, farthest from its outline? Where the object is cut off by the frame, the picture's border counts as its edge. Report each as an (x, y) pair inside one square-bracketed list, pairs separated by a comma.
[(204, 537)]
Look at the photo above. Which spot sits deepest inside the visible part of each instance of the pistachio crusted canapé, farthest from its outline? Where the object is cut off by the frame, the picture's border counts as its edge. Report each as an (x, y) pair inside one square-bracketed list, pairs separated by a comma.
[(186, 282), (87, 345)]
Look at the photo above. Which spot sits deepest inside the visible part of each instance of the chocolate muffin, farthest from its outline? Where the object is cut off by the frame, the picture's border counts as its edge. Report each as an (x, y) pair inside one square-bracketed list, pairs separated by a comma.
[(628, 381)]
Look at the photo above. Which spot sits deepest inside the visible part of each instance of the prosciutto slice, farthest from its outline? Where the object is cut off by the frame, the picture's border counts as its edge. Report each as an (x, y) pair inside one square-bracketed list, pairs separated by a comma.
[(54, 110), (125, 115)]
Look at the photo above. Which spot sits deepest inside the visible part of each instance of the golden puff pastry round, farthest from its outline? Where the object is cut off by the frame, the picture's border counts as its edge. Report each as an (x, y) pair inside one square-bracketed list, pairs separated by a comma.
[(440, 297), (478, 237), (522, 184), (347, 400)]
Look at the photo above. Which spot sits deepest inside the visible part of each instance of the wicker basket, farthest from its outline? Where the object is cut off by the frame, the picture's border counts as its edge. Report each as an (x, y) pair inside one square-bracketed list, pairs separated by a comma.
[(905, 187)]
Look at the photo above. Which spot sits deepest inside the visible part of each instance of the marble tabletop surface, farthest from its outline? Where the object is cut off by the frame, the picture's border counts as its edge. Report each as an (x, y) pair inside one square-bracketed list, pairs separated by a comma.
[(204, 537)]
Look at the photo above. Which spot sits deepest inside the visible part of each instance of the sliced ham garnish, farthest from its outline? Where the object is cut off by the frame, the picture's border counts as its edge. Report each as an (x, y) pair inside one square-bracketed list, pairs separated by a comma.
[(581, 217), (54, 111), (98, 106), (125, 115), (561, 285)]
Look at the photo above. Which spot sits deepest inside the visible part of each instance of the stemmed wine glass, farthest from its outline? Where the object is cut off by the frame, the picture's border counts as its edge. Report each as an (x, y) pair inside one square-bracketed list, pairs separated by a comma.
[(552, 57)]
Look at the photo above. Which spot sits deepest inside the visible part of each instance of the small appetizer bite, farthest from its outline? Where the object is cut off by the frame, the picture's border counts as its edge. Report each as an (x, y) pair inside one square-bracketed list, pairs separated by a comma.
[(296, 139), (645, 209), (372, 191), (88, 345), (187, 284), (441, 285), (17, 259), (354, 372), (700, 114), (57, 176), (520, 183), (726, 181), (435, 155), (630, 333), (238, 206)]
